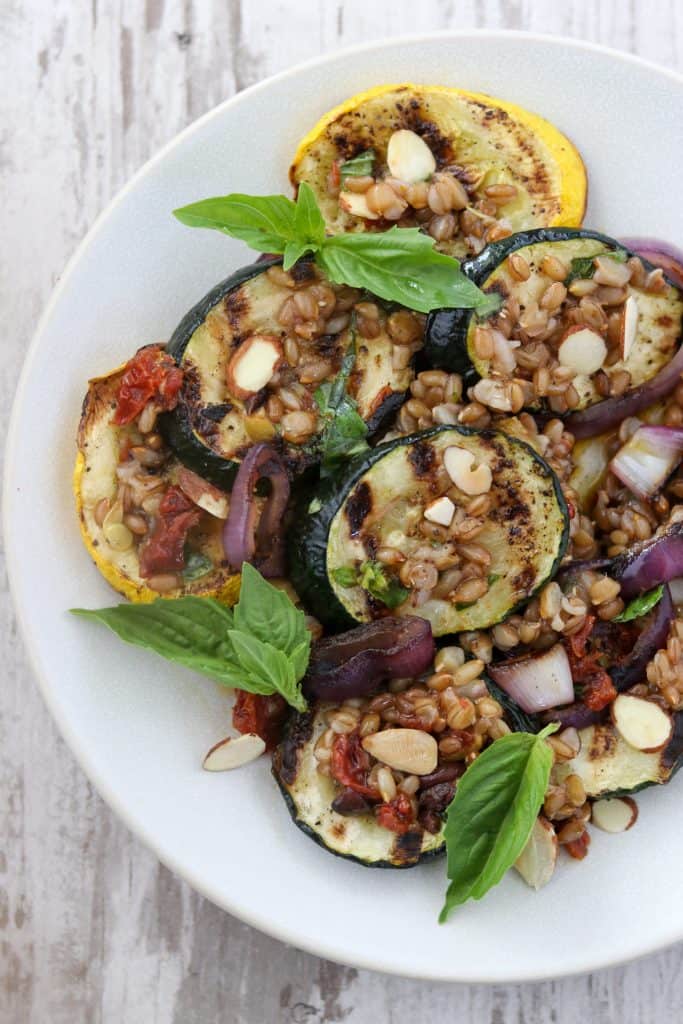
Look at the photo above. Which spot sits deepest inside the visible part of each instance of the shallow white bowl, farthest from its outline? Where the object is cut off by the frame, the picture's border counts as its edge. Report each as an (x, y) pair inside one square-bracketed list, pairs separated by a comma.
[(140, 727)]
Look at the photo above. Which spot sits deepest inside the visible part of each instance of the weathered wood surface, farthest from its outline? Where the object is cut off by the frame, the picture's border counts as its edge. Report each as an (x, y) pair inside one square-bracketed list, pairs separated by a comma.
[(92, 929)]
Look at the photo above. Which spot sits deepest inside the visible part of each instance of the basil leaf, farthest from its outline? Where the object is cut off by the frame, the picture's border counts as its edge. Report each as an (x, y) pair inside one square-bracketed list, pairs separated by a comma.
[(308, 220), (358, 166), (266, 223), (492, 814), (379, 585), (266, 665), (346, 431), (268, 614), (401, 265), (314, 506), (640, 605), (583, 267), (196, 566), (192, 631), (345, 576)]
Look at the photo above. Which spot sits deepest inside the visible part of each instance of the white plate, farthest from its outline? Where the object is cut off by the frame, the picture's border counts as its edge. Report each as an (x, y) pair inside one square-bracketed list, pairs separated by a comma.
[(140, 727)]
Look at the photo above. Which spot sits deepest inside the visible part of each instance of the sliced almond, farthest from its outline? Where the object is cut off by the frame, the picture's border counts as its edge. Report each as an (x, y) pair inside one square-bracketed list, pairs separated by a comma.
[(253, 364), (610, 272), (537, 861), (409, 157), (440, 511), (642, 723), (614, 814), (459, 463), (356, 204), (582, 350), (406, 750), (233, 752), (204, 494), (629, 326)]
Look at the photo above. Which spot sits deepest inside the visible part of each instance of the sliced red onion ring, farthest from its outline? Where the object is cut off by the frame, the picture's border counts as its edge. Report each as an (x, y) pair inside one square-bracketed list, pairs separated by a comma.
[(655, 562), (648, 458), (601, 417), (662, 254), (631, 670), (354, 663), (577, 716), (536, 682), (248, 537)]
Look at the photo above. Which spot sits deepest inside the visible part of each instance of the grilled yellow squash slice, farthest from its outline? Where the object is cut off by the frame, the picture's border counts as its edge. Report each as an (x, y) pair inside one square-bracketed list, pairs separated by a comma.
[(480, 142), (112, 546)]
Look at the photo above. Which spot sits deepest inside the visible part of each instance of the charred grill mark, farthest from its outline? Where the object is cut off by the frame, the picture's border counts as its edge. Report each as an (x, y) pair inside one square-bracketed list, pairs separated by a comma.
[(255, 402), (358, 507), (286, 756), (421, 457), (302, 271), (236, 307), (603, 744), (408, 847), (525, 580)]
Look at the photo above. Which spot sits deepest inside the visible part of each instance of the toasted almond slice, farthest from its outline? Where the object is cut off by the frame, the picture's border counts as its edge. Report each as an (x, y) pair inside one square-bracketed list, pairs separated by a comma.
[(610, 272), (537, 861), (233, 752), (204, 494), (253, 364), (614, 814), (459, 463), (583, 350), (629, 326), (409, 157), (440, 511), (356, 204), (642, 723), (406, 750)]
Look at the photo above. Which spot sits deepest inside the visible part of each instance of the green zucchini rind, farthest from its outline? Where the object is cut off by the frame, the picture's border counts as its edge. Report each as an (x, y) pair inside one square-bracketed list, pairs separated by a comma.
[(609, 766), (449, 334), (527, 534), (206, 429), (308, 796)]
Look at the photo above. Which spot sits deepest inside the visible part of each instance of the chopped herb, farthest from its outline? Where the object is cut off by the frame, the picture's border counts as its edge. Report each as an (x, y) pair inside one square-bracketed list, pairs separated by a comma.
[(196, 566), (345, 576), (493, 577), (358, 166), (378, 584), (583, 267), (314, 506), (345, 431), (640, 605)]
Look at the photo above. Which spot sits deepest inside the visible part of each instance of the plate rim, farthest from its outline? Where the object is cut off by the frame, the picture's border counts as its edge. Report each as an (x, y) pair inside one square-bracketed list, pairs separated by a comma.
[(321, 948)]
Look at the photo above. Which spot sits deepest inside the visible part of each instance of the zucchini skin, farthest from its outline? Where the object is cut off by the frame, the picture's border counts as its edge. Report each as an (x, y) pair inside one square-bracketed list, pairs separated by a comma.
[(446, 331), (176, 426), (297, 733), (671, 760), (307, 543)]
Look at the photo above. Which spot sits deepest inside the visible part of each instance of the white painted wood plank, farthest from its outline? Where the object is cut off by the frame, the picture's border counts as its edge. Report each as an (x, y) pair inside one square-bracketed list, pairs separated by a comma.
[(92, 928)]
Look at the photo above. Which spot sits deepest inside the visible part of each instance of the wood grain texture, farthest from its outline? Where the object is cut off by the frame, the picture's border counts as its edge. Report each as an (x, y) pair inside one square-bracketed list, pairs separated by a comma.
[(92, 929)]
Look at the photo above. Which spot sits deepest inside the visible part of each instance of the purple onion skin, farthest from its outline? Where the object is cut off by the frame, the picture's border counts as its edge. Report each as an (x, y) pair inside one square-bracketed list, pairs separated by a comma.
[(661, 254), (246, 536), (601, 417), (653, 636), (657, 562), (354, 663), (576, 716)]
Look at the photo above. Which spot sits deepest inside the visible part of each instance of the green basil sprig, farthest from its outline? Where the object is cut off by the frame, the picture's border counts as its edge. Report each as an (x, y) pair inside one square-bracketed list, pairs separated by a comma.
[(358, 166), (372, 577), (344, 431), (491, 816), (641, 605), (262, 645), (399, 265)]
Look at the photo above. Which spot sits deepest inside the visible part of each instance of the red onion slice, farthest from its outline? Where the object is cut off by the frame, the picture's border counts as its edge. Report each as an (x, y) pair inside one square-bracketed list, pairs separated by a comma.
[(354, 663), (248, 537), (661, 254), (631, 670), (576, 716), (536, 682), (654, 562), (648, 458), (603, 416)]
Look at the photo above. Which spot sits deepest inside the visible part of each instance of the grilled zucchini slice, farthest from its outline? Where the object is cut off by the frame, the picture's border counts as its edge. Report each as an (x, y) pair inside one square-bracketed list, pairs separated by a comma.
[(216, 420), (95, 478), (380, 503), (609, 766), (479, 140), (309, 796), (655, 318)]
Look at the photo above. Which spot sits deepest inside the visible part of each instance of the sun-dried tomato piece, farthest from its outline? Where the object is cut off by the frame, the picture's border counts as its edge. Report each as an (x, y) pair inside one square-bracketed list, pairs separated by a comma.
[(164, 551), (150, 374), (350, 765), (265, 716), (597, 689), (397, 815)]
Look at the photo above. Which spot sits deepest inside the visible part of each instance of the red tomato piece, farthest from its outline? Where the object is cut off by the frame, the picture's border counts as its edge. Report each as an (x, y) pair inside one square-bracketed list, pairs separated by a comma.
[(264, 716), (350, 765), (165, 549), (397, 815), (150, 374)]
